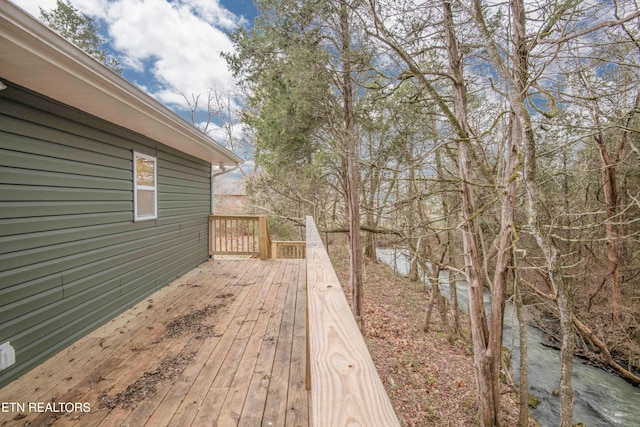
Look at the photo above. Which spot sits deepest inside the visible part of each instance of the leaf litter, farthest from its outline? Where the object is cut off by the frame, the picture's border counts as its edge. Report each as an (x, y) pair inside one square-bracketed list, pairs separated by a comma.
[(429, 377), (149, 382)]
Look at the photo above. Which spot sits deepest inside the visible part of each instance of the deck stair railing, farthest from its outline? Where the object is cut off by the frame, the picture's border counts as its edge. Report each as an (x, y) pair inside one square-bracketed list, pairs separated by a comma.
[(248, 235)]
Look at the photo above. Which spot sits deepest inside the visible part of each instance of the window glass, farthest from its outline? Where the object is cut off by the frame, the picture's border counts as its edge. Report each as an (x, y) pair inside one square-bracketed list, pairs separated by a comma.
[(145, 171), (145, 203)]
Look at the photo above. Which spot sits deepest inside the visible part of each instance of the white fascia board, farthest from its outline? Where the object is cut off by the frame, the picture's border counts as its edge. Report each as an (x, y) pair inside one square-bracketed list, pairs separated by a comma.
[(35, 57)]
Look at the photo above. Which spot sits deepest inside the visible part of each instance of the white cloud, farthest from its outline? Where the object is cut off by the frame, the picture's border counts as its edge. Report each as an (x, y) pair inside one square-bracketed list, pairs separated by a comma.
[(184, 48), (175, 43), (31, 6), (215, 14), (94, 8)]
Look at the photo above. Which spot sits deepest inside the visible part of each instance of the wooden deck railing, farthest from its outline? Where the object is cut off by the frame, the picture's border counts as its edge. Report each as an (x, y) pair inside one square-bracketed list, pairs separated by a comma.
[(248, 235), (288, 249), (344, 383), (239, 235)]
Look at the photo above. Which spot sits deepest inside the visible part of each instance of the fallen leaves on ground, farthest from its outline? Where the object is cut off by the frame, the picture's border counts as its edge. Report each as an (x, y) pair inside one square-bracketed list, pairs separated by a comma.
[(429, 377)]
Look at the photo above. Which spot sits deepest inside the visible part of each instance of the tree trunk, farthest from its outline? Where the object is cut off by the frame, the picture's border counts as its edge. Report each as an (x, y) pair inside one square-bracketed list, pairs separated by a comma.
[(414, 206), (352, 173), (561, 288), (608, 169), (453, 305), (371, 243), (626, 374), (517, 74), (505, 247), (611, 200), (370, 247), (486, 356), (449, 256), (435, 293), (523, 418)]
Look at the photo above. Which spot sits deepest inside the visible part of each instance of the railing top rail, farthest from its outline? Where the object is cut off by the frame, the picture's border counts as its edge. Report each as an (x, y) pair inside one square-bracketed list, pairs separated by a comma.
[(345, 386), (216, 216), (290, 242)]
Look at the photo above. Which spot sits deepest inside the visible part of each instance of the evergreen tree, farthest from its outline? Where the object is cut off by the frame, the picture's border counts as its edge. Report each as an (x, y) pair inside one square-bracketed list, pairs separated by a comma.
[(81, 30)]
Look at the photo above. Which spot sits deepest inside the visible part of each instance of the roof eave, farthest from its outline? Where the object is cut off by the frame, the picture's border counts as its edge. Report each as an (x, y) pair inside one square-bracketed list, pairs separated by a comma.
[(37, 58)]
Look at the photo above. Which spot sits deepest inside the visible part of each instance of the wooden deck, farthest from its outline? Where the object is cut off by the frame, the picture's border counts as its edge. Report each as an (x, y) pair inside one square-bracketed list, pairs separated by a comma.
[(223, 345)]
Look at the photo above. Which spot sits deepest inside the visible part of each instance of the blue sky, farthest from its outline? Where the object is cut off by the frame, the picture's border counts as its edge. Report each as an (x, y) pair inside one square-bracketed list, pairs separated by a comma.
[(240, 7), (168, 46)]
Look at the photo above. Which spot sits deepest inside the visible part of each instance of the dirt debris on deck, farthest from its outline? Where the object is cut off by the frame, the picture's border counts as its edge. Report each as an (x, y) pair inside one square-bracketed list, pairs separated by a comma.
[(147, 384), (428, 376), (194, 323)]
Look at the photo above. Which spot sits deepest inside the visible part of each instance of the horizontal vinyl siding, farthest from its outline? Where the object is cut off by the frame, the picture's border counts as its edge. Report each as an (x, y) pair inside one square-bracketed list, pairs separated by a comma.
[(71, 256)]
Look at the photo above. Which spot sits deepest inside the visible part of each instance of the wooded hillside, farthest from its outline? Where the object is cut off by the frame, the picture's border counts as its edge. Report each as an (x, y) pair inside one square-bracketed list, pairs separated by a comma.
[(497, 142)]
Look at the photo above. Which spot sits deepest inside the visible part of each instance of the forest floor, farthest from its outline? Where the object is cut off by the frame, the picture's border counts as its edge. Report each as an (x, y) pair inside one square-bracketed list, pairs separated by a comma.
[(429, 377)]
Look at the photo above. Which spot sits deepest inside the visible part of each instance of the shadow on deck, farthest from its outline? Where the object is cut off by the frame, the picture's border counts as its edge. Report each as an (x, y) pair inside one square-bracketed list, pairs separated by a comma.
[(222, 345)]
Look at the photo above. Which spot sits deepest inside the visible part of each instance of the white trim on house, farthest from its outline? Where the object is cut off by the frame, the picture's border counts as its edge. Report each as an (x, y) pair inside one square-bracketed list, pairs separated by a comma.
[(35, 57)]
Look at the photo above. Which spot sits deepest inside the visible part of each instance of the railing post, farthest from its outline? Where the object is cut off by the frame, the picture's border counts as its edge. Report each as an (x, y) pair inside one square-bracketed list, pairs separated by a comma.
[(211, 238), (263, 238), (308, 355)]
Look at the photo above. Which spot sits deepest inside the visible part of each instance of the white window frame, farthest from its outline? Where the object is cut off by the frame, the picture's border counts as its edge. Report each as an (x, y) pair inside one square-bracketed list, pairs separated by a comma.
[(137, 187)]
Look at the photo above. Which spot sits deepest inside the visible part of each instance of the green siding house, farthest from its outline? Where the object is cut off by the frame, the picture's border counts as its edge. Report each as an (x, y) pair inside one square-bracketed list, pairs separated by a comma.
[(104, 193)]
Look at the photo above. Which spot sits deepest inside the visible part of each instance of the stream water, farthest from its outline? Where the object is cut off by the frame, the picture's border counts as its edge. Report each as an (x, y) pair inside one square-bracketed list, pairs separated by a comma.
[(601, 399)]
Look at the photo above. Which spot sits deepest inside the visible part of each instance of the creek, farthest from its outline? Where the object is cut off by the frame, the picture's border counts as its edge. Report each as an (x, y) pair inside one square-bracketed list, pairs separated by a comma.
[(601, 399)]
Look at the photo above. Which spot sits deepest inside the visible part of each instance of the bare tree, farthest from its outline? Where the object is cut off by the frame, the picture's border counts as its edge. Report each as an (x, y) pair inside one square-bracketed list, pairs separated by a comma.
[(487, 341), (218, 111)]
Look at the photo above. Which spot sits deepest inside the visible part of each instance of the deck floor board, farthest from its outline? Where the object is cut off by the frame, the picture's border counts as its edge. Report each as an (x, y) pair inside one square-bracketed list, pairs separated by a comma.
[(240, 361)]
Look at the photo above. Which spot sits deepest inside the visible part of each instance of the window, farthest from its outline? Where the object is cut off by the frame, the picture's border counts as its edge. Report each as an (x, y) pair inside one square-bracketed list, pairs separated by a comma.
[(145, 200)]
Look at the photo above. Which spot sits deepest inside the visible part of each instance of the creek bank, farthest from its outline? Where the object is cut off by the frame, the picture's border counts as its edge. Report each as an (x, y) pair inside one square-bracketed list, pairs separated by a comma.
[(601, 399), (585, 349), (428, 377)]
